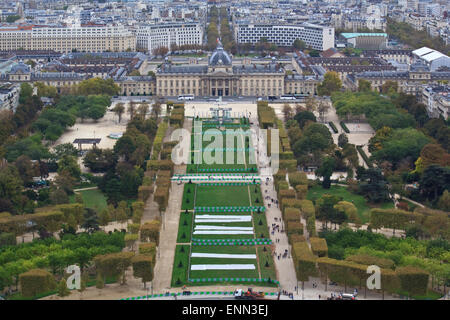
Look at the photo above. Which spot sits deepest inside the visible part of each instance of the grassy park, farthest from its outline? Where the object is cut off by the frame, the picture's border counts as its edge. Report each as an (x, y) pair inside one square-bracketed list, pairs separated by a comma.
[(359, 201), (92, 198), (212, 235)]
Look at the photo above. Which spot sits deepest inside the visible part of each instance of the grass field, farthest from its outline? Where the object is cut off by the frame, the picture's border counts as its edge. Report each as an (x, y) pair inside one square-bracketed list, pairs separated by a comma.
[(93, 198), (359, 201), (184, 228), (218, 196), (188, 197)]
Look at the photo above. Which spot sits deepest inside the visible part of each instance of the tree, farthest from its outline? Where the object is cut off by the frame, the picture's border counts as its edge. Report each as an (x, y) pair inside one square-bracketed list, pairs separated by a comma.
[(26, 169), (311, 103), (299, 44), (10, 189), (325, 208), (372, 184), (342, 140), (156, 109), (389, 87), (413, 280), (304, 117), (62, 288), (444, 201), (322, 108), (350, 211), (104, 217), (90, 223), (143, 268), (364, 85), (325, 171), (287, 112), (97, 86), (113, 265), (70, 165), (143, 109), (434, 181), (119, 110), (330, 84), (434, 154), (64, 181)]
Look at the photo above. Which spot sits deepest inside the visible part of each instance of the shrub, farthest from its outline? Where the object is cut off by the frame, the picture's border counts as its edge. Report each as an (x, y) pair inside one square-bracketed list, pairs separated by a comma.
[(148, 248), (296, 178), (319, 246), (302, 191), (36, 281), (7, 239), (344, 127), (150, 231), (294, 227), (144, 192), (291, 214), (307, 208), (333, 127)]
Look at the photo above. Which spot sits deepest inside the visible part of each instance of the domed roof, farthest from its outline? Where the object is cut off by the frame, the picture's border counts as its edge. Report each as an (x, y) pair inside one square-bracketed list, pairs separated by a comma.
[(220, 57)]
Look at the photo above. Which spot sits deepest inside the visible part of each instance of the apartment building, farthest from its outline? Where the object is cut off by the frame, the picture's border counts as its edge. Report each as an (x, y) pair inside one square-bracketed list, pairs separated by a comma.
[(167, 34), (83, 38), (316, 36)]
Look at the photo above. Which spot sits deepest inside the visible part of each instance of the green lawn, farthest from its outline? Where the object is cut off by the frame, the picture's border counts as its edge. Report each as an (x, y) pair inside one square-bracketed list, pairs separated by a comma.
[(180, 272), (219, 196), (359, 201), (94, 199), (266, 257), (260, 221), (188, 196), (184, 228)]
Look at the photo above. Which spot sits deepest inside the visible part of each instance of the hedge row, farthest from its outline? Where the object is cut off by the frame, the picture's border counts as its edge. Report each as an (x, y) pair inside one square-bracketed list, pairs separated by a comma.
[(364, 156), (333, 127), (344, 127), (319, 246)]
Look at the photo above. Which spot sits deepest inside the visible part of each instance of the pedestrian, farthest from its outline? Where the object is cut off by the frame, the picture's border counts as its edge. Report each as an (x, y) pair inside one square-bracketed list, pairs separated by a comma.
[(319, 296)]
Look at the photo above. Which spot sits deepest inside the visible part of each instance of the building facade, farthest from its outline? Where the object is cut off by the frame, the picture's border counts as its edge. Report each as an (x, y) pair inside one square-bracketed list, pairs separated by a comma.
[(166, 35), (83, 38), (316, 36)]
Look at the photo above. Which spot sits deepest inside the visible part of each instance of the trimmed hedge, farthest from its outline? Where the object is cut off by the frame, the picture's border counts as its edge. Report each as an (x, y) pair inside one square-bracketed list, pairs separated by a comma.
[(36, 281), (291, 214), (307, 208), (304, 261), (364, 156), (296, 178), (319, 246), (294, 227), (344, 127), (289, 165), (150, 231), (7, 239), (333, 127), (302, 191)]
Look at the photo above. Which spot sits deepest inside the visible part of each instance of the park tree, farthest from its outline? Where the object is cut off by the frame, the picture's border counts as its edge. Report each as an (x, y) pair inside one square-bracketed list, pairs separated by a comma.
[(90, 223), (372, 184), (330, 84), (26, 169), (413, 280), (63, 291), (303, 117), (364, 85), (97, 86), (325, 171), (444, 201), (156, 110), (435, 179), (113, 265), (350, 211), (143, 268), (287, 112), (119, 110), (434, 154), (342, 140), (70, 165), (10, 189), (325, 210), (311, 103)]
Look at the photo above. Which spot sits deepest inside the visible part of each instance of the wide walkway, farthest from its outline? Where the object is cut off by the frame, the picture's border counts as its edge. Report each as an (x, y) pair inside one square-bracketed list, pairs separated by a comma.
[(284, 266)]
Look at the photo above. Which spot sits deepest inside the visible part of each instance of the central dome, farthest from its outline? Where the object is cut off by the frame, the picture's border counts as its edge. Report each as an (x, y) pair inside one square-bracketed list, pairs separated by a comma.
[(220, 57)]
